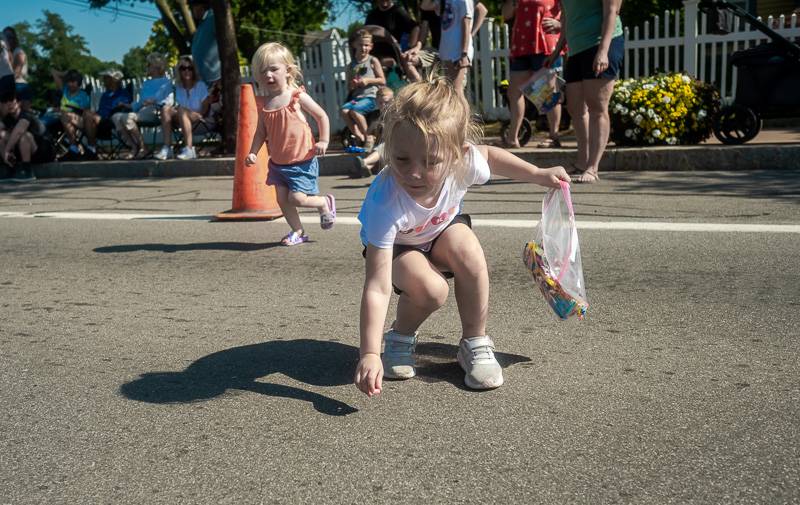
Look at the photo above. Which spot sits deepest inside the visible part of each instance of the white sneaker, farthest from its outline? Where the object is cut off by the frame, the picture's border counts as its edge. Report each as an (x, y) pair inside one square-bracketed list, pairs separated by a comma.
[(164, 153), (476, 357), (398, 355), (187, 153)]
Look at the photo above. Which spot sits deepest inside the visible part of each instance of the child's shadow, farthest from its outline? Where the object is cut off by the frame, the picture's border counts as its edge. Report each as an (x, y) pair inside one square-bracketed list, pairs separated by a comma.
[(313, 362)]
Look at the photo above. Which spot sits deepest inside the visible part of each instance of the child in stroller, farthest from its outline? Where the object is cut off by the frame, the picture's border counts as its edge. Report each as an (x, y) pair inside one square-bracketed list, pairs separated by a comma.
[(531, 119), (387, 51)]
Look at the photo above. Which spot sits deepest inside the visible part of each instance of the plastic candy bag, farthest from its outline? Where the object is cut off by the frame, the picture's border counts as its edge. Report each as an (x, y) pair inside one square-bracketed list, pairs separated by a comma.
[(543, 89), (554, 257)]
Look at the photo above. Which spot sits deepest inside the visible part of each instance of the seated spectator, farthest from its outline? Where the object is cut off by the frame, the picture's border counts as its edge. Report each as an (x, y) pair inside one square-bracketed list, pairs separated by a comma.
[(364, 76), (19, 63), (5, 58), (156, 93), (74, 102), (193, 102), (22, 135), (115, 100), (397, 21), (371, 164)]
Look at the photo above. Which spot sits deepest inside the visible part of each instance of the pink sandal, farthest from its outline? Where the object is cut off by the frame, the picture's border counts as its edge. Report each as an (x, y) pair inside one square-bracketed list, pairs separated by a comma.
[(293, 238), (327, 219)]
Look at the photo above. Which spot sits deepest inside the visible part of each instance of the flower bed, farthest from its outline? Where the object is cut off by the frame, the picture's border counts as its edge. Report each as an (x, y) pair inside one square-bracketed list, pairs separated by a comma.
[(664, 109)]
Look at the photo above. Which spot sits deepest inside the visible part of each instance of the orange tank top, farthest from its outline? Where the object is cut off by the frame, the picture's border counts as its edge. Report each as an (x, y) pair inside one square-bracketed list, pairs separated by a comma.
[(289, 137)]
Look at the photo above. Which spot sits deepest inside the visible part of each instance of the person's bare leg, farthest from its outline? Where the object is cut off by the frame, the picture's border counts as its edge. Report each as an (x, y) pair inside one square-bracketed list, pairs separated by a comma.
[(580, 122), (299, 199), (516, 106), (26, 146), (90, 122), (69, 121), (424, 290), (458, 250), (458, 76), (185, 119), (345, 113), (167, 114), (597, 93), (360, 122), (288, 209), (553, 121)]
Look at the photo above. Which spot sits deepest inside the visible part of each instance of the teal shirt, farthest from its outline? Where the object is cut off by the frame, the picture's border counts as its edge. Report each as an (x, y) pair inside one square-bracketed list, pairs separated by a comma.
[(584, 24)]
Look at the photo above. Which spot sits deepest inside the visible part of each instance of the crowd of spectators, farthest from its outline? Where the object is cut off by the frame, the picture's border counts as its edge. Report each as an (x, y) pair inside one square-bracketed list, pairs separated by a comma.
[(190, 100)]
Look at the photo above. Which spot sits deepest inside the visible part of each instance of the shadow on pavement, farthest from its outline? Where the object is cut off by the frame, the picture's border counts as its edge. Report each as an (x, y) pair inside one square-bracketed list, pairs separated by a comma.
[(436, 362), (313, 362), (201, 246)]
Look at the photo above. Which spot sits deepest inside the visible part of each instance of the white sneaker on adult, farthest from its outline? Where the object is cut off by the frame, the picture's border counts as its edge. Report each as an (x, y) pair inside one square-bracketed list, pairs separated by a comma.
[(476, 357), (187, 153), (398, 355), (164, 153)]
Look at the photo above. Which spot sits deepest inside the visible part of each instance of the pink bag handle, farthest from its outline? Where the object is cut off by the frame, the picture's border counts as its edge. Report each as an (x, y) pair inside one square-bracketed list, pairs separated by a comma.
[(568, 199)]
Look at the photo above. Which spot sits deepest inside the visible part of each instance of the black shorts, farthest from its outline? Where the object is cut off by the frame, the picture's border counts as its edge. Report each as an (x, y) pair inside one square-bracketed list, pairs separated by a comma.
[(399, 249), (579, 66), (45, 151)]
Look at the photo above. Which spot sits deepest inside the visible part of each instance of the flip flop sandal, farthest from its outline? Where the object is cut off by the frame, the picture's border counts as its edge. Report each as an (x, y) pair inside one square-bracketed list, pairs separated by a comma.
[(549, 144), (327, 219), (293, 238), (587, 177)]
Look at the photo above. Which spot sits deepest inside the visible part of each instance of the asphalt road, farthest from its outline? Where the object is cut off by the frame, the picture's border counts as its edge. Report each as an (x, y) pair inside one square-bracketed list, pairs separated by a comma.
[(159, 360)]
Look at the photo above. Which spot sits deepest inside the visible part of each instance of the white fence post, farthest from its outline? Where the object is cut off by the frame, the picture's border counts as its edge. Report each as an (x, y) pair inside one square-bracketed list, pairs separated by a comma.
[(690, 36)]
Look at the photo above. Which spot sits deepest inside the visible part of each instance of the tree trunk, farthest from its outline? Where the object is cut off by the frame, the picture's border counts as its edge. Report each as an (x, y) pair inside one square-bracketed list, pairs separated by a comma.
[(231, 76), (171, 24)]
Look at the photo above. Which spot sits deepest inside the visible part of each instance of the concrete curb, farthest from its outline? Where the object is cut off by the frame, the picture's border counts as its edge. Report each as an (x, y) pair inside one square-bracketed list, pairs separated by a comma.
[(678, 158)]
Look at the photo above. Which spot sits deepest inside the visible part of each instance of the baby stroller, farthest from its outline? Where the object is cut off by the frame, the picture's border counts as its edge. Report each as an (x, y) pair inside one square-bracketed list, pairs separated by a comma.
[(387, 50), (767, 80)]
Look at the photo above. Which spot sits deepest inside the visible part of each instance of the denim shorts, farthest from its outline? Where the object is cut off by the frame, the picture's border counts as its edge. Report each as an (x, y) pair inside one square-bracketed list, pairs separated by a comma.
[(363, 105), (300, 177), (532, 62), (579, 66)]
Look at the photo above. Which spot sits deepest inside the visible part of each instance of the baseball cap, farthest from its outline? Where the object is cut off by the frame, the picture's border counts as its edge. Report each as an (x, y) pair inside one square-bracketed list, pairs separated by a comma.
[(113, 73)]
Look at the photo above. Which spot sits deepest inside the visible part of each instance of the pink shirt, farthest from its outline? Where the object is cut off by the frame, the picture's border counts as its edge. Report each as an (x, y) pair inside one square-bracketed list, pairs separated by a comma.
[(528, 36), (289, 137)]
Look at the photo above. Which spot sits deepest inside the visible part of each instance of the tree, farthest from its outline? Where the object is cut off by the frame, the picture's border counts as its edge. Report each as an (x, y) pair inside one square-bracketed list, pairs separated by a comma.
[(53, 45)]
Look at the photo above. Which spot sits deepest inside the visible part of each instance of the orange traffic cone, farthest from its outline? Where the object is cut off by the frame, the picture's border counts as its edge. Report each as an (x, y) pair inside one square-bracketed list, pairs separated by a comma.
[(252, 198)]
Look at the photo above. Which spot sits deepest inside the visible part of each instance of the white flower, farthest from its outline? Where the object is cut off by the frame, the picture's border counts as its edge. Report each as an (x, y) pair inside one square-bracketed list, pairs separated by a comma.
[(686, 79), (656, 133), (624, 110), (701, 114), (651, 113), (648, 86), (638, 119), (672, 141), (666, 99), (629, 133)]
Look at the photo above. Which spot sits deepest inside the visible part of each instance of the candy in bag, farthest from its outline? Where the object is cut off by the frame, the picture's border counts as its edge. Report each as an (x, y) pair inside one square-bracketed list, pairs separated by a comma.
[(543, 89), (554, 257)]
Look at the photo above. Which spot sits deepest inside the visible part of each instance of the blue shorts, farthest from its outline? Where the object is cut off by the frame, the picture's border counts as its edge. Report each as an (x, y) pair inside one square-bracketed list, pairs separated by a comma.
[(532, 62), (363, 105), (579, 66), (300, 177)]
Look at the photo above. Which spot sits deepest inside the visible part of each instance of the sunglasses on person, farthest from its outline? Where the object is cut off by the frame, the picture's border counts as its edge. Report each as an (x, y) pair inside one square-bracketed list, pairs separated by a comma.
[(182, 68)]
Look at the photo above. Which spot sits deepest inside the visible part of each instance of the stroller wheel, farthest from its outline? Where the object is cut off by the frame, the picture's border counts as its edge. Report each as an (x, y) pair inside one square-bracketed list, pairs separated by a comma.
[(736, 124), (526, 130)]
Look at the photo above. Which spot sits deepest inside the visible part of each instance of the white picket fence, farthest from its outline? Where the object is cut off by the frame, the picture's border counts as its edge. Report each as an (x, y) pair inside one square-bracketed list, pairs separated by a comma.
[(681, 43), (676, 41)]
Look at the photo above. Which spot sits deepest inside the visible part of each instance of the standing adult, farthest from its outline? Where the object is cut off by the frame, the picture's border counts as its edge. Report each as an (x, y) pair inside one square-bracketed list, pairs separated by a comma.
[(205, 52), (455, 48), (534, 35), (593, 31), (19, 64)]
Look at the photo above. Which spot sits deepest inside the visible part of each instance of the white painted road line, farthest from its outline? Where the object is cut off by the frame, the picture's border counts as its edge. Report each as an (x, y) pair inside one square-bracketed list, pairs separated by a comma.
[(497, 223)]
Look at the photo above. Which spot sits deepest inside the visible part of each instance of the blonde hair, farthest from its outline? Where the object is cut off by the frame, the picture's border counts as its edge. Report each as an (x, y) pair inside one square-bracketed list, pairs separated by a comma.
[(185, 58), (384, 91), (441, 115), (272, 52), (363, 34)]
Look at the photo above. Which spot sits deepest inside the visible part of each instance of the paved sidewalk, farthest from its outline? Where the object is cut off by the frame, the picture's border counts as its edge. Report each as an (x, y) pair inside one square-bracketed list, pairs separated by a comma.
[(772, 149)]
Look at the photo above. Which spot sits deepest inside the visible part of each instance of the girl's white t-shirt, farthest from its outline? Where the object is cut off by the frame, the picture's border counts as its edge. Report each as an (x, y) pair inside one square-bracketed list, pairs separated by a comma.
[(390, 216)]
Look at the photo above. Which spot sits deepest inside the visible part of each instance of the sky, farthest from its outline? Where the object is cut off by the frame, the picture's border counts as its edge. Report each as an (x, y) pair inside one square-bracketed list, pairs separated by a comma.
[(109, 35)]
